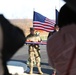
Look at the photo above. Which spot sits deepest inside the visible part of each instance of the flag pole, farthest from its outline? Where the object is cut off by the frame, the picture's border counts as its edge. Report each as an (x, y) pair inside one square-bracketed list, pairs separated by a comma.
[(33, 13), (55, 14), (59, 3)]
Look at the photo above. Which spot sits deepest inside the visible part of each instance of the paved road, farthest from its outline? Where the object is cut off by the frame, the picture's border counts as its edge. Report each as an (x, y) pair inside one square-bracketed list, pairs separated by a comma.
[(22, 55)]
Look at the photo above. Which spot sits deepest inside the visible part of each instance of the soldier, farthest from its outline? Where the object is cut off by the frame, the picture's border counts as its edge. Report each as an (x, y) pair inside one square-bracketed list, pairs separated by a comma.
[(34, 51)]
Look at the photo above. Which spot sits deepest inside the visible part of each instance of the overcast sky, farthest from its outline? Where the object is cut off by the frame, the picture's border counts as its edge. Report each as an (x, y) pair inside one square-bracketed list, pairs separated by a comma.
[(24, 8)]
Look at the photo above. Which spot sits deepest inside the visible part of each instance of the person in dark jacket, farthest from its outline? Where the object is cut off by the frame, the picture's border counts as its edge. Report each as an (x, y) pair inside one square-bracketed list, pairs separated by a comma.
[(56, 29), (13, 39)]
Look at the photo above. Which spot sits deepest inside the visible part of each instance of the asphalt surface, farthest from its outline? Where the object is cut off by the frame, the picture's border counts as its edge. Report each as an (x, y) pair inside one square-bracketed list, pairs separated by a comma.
[(22, 55)]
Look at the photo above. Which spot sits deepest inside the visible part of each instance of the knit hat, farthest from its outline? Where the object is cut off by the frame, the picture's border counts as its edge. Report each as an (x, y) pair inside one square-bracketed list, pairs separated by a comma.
[(71, 4)]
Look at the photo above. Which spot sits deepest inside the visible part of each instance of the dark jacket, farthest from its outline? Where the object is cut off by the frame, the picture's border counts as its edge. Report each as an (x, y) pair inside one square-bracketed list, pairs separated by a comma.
[(13, 39)]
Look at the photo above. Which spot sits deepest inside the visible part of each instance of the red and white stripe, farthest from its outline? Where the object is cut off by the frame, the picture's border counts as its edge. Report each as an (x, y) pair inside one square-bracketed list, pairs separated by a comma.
[(47, 26)]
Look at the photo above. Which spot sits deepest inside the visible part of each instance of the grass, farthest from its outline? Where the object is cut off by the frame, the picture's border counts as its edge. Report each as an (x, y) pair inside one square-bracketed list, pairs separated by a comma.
[(44, 37)]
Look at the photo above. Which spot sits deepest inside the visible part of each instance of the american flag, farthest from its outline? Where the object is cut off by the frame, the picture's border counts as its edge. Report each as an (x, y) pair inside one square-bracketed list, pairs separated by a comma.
[(41, 22), (56, 12)]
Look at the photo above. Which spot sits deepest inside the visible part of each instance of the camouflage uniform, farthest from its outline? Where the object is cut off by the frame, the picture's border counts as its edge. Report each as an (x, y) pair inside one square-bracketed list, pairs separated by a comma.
[(34, 52)]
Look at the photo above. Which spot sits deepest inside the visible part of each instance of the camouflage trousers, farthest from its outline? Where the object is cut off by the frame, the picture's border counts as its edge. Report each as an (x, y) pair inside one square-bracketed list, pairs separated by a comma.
[(34, 57)]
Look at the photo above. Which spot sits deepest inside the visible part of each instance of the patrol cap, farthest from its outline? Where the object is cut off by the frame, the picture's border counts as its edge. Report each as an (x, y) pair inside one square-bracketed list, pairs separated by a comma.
[(31, 28), (71, 4)]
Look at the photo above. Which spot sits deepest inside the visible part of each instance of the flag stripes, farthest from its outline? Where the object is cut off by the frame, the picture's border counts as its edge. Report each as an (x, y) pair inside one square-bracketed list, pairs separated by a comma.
[(43, 26), (41, 22)]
